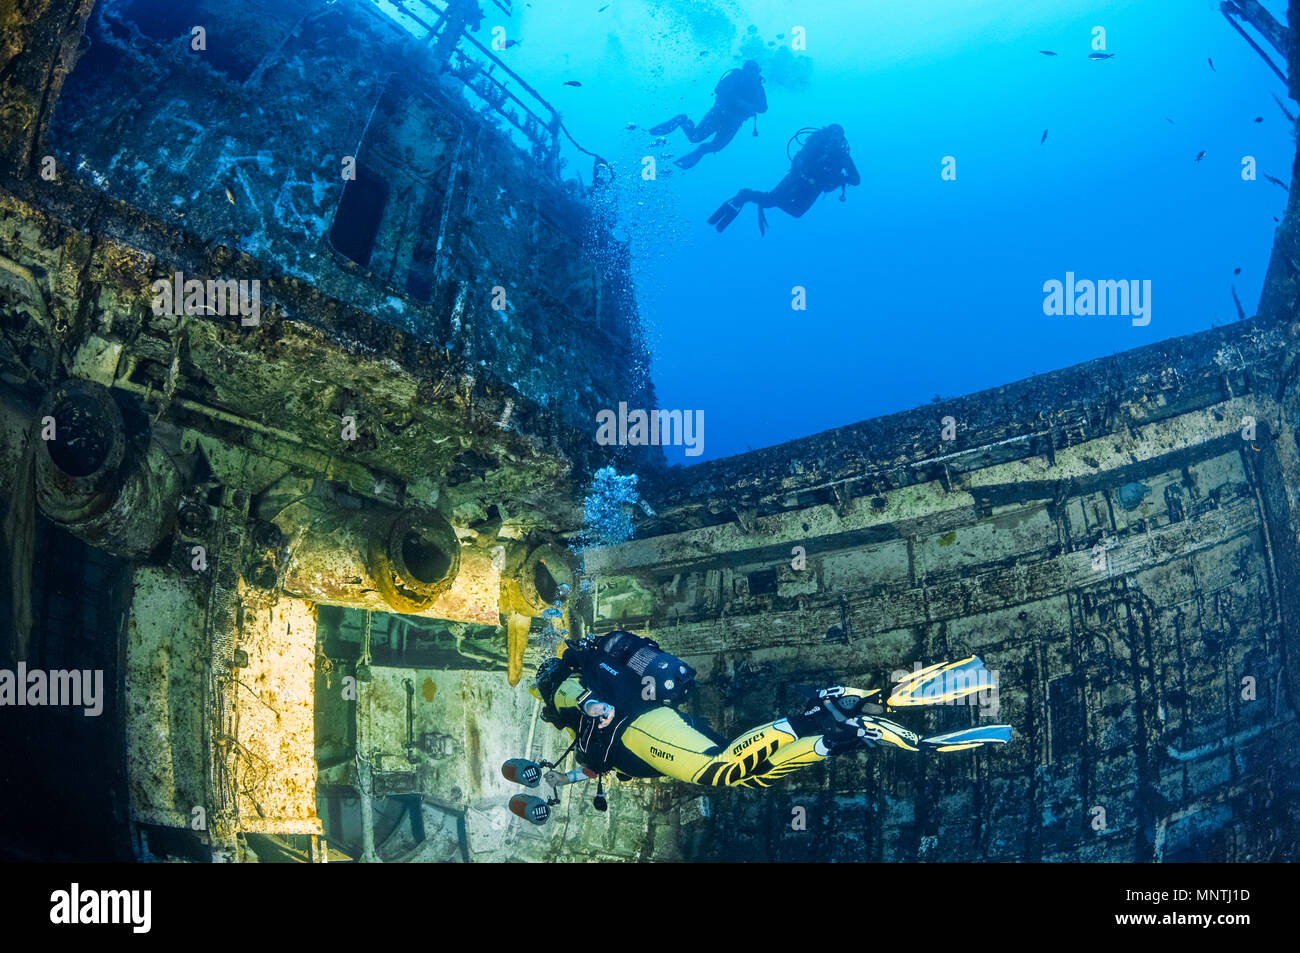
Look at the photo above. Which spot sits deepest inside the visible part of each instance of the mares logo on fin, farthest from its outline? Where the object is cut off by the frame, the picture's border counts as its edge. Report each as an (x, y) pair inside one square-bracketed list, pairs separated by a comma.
[(660, 754)]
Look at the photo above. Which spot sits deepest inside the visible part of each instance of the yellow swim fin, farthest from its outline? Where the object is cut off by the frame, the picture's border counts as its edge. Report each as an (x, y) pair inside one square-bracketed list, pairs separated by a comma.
[(941, 684)]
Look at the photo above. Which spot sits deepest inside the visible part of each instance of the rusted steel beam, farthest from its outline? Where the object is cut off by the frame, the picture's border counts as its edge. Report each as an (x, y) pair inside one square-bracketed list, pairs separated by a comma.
[(1263, 21)]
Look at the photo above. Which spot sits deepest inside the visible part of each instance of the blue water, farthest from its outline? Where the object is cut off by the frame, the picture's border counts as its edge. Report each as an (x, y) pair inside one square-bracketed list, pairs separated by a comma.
[(917, 286)]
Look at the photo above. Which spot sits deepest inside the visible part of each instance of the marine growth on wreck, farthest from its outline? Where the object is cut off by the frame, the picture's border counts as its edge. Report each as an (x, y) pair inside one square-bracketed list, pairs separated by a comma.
[(354, 365)]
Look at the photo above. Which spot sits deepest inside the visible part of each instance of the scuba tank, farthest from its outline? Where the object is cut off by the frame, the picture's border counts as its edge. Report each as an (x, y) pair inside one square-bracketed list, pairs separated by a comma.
[(800, 136), (632, 673), (727, 75), (815, 160)]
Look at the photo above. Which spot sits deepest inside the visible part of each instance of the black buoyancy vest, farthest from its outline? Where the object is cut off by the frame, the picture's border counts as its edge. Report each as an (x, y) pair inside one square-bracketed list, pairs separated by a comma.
[(735, 86), (821, 159), (632, 674)]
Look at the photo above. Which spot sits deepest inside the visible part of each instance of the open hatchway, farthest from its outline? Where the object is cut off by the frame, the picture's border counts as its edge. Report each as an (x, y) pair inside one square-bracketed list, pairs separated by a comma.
[(391, 217)]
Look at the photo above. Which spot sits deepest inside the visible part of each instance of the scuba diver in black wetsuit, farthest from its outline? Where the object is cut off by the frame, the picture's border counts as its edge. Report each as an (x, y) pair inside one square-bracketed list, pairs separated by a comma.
[(821, 166), (616, 695), (738, 95)]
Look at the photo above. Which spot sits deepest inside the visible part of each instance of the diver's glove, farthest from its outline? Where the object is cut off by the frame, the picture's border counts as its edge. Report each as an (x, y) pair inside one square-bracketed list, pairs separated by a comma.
[(602, 712)]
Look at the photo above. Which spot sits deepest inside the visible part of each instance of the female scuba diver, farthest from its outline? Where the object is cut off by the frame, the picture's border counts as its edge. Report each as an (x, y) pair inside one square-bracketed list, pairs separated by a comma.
[(616, 695), (821, 166)]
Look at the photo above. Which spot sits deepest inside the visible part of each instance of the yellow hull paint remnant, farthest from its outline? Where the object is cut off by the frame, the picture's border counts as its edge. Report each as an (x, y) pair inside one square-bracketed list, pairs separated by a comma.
[(516, 642)]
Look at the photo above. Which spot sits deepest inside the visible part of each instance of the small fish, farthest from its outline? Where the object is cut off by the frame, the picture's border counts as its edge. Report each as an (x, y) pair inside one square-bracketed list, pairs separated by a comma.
[(603, 9), (230, 195), (1047, 52), (1044, 139), (510, 43), (1276, 219), (780, 36), (1278, 182), (1211, 62), (1100, 56), (1236, 271), (1200, 155), (631, 125), (1259, 119), (571, 82), (703, 53), (1168, 120)]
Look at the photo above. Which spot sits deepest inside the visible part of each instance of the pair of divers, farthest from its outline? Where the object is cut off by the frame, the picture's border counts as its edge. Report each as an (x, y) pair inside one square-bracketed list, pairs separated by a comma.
[(616, 695), (821, 165)]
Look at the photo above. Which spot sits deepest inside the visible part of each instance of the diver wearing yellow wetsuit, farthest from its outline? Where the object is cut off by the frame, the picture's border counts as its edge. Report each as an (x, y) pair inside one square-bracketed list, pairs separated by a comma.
[(640, 735), (616, 694), (667, 743)]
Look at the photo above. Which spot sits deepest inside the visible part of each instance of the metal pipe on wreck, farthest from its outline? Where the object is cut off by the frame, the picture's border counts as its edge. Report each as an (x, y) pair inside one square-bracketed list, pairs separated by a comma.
[(381, 559), (93, 480)]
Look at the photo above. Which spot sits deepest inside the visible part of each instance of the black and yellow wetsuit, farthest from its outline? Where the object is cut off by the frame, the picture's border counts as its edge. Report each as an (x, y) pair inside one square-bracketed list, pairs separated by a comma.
[(616, 695), (663, 741)]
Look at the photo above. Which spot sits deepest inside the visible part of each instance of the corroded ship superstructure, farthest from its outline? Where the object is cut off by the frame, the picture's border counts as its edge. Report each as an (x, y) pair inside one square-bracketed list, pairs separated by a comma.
[(318, 325)]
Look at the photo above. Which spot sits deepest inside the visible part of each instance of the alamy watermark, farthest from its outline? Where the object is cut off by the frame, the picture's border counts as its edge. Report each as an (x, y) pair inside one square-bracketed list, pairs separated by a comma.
[(174, 296), (76, 906), (37, 687), (651, 428), (1103, 298)]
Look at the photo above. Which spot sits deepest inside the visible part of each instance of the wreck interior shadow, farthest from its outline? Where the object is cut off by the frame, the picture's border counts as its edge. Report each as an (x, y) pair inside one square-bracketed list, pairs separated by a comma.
[(57, 758)]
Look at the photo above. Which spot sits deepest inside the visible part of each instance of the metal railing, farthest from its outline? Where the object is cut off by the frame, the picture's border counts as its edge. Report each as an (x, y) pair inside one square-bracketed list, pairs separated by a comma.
[(537, 120), (1263, 21), (484, 74)]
